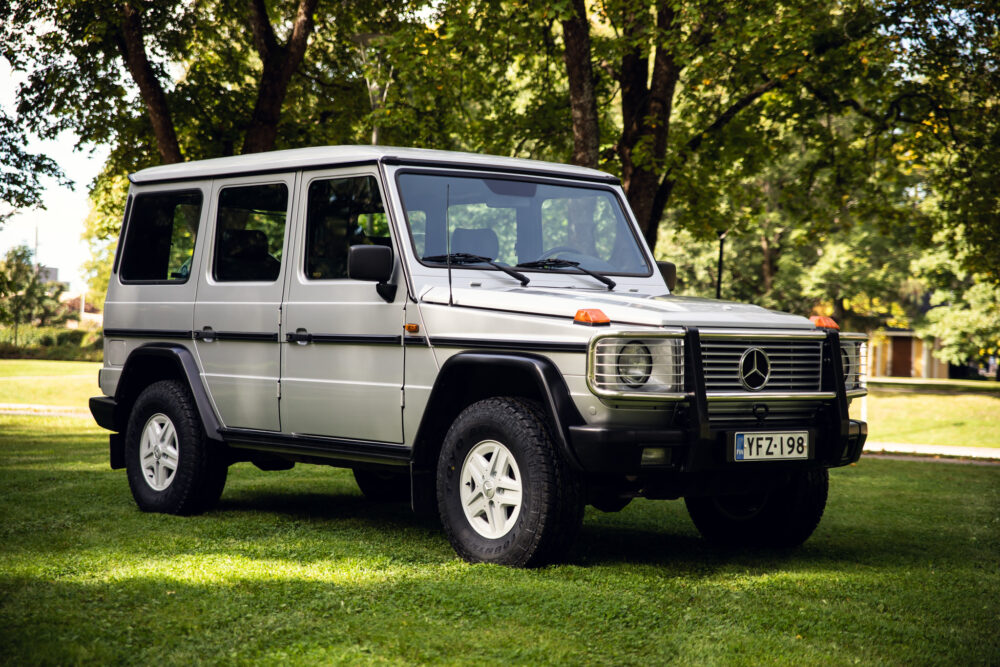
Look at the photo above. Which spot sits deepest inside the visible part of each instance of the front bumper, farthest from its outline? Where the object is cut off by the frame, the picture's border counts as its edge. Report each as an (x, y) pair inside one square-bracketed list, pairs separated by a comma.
[(614, 451), (693, 443)]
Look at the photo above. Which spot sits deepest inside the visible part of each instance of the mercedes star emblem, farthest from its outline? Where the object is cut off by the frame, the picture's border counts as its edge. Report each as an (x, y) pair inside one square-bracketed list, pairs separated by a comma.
[(755, 369)]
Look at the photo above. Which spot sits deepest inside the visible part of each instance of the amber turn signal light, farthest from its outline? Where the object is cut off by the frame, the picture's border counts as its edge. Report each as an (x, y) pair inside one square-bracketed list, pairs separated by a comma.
[(824, 322), (412, 328), (592, 317)]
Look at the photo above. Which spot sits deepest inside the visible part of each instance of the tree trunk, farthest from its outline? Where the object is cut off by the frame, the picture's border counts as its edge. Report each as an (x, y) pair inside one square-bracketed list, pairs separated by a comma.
[(279, 63), (646, 117), (133, 51), (582, 98), (767, 266)]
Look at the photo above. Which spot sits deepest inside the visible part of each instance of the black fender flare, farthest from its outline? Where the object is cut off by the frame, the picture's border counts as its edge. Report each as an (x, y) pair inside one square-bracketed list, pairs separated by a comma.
[(184, 367), (545, 379)]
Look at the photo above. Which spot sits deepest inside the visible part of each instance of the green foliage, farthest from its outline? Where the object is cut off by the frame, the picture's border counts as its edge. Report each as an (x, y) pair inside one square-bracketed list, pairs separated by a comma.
[(813, 134), (22, 172), (967, 323), (20, 288), (51, 342)]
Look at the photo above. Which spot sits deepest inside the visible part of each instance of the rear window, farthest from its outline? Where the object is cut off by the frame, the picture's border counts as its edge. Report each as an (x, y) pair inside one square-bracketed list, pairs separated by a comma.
[(160, 237)]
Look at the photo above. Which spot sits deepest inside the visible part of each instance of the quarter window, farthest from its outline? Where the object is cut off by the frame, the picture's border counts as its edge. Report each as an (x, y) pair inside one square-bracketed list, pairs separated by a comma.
[(342, 212), (250, 233), (160, 237)]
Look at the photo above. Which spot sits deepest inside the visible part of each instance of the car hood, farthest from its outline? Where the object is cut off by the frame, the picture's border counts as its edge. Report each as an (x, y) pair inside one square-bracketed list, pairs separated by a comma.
[(621, 308)]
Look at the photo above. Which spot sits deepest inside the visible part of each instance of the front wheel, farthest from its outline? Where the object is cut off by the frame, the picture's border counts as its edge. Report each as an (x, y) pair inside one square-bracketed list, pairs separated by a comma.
[(505, 495), (171, 468), (783, 516)]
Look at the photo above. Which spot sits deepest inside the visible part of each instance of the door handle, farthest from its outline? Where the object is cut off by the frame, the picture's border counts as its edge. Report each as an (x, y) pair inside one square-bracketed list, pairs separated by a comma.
[(301, 336), (207, 334)]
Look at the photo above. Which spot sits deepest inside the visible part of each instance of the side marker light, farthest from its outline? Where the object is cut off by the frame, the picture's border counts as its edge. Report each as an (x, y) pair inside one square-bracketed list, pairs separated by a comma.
[(824, 322), (591, 317)]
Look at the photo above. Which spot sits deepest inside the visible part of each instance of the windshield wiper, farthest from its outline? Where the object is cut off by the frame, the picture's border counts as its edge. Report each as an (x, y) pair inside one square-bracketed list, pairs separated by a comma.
[(468, 258), (552, 263)]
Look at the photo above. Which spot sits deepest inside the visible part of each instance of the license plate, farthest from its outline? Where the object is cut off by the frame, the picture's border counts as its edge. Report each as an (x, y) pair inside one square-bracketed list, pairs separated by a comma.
[(771, 446)]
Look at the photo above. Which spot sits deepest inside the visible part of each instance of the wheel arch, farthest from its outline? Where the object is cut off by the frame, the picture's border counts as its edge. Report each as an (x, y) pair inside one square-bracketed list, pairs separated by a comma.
[(468, 377), (153, 362)]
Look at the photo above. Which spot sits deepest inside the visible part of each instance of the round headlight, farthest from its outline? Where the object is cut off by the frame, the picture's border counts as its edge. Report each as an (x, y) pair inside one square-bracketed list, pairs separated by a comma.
[(634, 364), (845, 359)]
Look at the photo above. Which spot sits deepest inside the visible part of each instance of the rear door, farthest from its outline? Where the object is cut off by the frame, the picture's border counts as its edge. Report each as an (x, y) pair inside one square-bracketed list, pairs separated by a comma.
[(238, 311), (342, 373)]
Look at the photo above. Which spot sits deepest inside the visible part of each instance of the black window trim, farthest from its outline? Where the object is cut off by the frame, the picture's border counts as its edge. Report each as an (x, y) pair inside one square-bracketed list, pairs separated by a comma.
[(533, 177), (127, 224), (121, 235)]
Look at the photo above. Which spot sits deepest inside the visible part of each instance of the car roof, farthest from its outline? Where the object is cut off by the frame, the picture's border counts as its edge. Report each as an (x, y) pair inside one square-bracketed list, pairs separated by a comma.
[(319, 157)]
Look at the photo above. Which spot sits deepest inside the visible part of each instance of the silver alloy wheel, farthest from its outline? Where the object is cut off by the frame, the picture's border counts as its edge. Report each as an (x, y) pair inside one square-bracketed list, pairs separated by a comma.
[(158, 453), (491, 489)]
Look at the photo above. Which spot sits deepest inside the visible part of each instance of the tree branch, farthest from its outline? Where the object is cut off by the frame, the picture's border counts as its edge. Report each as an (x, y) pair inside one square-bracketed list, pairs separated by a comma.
[(280, 61), (263, 34), (133, 51)]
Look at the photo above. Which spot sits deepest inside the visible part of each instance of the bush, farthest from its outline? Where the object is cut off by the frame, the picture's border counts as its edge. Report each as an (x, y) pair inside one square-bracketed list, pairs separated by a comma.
[(54, 343), (70, 337)]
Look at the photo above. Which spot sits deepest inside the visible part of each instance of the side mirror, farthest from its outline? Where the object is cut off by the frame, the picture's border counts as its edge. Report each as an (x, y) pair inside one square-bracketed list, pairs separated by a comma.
[(374, 263), (669, 272)]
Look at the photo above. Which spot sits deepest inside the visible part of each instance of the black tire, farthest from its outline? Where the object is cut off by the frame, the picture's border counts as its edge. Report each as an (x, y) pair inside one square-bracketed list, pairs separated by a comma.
[(199, 476), (551, 505), (383, 487), (782, 517)]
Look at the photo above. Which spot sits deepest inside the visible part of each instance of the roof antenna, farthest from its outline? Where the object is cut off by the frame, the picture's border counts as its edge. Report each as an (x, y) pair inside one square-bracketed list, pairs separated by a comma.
[(447, 235)]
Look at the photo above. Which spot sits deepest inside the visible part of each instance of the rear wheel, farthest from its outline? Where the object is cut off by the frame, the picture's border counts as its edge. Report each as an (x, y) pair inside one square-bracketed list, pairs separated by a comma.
[(171, 468), (782, 516), (504, 494)]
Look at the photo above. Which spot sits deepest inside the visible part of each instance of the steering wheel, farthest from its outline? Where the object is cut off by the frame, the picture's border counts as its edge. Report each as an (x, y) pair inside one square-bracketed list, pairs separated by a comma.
[(555, 251)]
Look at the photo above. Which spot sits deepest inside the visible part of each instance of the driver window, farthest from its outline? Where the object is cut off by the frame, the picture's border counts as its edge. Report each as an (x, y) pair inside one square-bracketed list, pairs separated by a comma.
[(342, 212)]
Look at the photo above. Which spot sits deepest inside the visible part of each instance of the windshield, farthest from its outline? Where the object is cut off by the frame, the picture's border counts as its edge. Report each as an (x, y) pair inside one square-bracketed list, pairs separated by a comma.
[(515, 222)]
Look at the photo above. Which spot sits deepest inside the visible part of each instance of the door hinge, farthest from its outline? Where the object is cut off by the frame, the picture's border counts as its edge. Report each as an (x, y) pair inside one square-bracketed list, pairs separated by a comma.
[(279, 388)]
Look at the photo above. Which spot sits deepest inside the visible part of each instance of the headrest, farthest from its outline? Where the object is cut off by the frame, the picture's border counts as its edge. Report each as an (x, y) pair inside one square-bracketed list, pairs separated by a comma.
[(245, 243), (482, 242)]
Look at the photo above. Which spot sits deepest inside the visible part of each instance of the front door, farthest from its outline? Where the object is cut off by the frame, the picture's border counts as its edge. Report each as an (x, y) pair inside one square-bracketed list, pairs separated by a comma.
[(237, 315), (342, 368)]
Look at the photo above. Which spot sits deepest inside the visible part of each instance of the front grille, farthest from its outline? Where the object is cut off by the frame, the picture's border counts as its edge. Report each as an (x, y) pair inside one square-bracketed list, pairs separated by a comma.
[(796, 365), (779, 413)]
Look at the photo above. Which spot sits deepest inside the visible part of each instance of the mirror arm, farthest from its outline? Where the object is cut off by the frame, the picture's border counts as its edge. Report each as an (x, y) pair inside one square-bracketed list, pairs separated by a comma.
[(387, 291)]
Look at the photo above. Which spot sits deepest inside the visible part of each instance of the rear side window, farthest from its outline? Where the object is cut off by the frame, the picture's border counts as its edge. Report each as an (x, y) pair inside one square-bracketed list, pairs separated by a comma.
[(250, 233), (160, 237)]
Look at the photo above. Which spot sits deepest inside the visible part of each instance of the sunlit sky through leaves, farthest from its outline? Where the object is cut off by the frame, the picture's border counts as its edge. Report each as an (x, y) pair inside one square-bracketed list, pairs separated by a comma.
[(60, 224)]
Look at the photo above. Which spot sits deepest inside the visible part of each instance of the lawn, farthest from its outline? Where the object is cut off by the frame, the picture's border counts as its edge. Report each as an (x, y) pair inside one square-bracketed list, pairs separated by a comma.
[(924, 419), (295, 567), (966, 420), (63, 383)]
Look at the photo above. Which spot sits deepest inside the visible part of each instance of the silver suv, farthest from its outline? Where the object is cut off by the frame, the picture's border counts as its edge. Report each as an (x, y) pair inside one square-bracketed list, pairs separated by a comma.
[(487, 338)]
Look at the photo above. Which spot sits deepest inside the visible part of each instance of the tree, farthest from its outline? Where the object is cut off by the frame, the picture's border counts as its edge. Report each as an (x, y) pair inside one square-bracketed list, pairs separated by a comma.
[(21, 171), (21, 290)]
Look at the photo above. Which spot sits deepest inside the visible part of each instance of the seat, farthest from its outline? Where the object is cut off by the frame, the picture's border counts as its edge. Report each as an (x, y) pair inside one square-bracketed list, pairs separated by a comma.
[(481, 242), (243, 256)]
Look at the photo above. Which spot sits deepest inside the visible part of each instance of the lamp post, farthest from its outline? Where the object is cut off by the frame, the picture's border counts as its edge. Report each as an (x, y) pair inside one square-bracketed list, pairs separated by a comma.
[(718, 279)]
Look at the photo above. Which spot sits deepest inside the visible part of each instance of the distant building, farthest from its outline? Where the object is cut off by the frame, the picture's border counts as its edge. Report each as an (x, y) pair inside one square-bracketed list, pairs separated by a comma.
[(899, 353), (47, 274)]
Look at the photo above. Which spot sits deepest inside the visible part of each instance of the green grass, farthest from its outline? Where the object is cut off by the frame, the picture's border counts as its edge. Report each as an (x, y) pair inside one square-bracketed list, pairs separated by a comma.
[(925, 419), (964, 420), (295, 567), (66, 383)]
